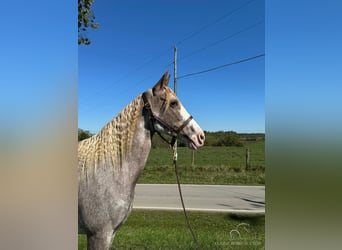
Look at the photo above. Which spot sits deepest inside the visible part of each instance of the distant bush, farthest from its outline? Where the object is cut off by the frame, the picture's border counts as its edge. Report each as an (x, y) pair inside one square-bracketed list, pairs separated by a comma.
[(228, 139), (83, 134), (222, 138)]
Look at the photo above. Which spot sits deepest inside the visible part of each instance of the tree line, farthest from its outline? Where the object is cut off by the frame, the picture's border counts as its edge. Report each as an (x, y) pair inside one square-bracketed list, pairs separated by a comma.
[(217, 139)]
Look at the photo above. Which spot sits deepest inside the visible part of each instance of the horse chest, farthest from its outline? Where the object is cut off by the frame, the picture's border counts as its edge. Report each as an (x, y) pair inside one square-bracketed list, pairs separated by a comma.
[(103, 203)]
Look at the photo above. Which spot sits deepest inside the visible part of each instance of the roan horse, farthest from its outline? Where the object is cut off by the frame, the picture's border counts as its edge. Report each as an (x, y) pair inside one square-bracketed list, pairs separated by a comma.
[(110, 162)]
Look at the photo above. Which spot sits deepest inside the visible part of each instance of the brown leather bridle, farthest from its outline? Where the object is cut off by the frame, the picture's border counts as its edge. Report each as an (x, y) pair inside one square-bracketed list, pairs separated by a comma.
[(153, 118)]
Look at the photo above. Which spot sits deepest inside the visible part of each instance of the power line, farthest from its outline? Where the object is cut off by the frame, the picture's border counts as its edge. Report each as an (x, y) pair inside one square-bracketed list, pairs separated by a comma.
[(99, 91), (216, 42), (221, 66), (153, 59), (221, 40), (124, 76), (214, 22)]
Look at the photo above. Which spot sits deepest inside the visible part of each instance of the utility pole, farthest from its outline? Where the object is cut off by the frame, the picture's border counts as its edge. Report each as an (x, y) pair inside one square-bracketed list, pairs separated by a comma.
[(175, 69), (175, 156), (175, 152)]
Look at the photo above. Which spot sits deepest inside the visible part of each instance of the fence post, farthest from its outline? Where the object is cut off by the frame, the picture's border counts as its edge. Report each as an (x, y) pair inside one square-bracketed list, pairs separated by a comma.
[(193, 159), (247, 158)]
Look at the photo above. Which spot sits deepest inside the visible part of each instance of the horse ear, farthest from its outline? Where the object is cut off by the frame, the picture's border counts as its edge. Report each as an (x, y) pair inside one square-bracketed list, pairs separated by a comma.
[(162, 83)]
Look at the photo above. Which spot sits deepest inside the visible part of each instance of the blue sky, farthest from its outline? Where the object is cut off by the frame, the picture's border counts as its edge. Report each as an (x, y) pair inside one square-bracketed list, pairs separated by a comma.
[(133, 48)]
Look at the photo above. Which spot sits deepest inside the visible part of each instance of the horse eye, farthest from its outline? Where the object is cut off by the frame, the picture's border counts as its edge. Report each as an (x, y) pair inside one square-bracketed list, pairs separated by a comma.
[(173, 104)]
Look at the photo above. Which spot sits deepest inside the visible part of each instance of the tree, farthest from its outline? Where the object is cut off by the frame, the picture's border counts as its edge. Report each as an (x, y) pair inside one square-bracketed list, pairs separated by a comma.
[(229, 139), (86, 19), (222, 138), (83, 134)]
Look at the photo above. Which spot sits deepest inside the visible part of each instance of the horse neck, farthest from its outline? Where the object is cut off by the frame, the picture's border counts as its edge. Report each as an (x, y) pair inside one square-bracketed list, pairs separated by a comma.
[(122, 146), (127, 138)]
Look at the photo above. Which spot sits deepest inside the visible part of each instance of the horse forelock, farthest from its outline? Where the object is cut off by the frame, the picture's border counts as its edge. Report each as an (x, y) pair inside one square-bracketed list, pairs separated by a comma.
[(169, 94)]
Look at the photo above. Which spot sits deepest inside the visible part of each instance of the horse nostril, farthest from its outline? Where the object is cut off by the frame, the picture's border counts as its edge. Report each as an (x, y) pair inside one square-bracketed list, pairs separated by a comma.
[(201, 138)]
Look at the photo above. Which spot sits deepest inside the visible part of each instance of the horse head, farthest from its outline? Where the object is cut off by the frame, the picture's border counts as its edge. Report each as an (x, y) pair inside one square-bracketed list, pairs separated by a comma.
[(167, 115)]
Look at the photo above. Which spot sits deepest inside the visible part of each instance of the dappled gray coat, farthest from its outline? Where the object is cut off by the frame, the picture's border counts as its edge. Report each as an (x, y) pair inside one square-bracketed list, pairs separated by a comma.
[(110, 162)]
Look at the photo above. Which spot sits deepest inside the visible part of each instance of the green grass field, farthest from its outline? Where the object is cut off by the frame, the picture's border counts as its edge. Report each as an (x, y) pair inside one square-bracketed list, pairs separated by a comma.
[(168, 230), (212, 165)]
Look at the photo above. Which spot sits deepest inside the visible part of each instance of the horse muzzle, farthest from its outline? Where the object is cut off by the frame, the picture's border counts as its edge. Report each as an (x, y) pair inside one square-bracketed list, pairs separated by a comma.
[(194, 135), (196, 140)]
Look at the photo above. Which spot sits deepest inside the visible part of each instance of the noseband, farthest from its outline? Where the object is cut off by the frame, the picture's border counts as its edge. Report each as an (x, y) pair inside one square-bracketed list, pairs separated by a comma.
[(153, 118)]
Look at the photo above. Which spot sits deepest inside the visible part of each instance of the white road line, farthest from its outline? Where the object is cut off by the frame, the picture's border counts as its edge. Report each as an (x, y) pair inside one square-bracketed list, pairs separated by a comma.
[(235, 211), (201, 185)]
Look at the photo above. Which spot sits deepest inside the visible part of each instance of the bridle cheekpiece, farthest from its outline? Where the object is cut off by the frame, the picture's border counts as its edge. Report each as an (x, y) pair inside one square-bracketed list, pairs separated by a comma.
[(153, 118)]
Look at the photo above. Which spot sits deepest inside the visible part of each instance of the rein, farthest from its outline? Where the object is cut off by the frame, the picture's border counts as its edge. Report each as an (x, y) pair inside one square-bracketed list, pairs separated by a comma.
[(152, 119), (181, 198)]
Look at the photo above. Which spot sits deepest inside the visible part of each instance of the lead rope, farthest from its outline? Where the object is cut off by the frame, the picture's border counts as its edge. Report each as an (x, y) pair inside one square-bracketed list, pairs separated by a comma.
[(175, 157)]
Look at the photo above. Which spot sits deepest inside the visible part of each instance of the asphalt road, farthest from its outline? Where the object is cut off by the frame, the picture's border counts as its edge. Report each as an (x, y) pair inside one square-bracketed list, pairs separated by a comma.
[(215, 198)]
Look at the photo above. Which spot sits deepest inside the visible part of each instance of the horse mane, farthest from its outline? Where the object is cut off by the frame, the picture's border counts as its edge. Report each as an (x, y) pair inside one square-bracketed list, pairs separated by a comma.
[(110, 146)]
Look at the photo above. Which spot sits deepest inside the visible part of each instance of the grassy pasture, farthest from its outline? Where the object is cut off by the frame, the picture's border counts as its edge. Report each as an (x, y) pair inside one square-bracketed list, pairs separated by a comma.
[(168, 230), (213, 165)]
